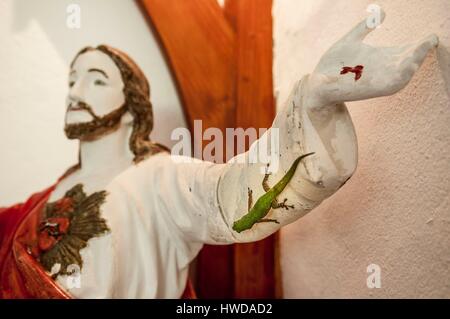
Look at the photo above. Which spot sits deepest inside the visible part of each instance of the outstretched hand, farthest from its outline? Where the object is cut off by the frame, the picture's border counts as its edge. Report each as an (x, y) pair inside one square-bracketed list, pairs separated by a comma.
[(352, 70)]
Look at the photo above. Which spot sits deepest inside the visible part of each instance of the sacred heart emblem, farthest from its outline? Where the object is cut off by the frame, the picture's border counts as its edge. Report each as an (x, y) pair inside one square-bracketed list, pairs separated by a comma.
[(66, 227)]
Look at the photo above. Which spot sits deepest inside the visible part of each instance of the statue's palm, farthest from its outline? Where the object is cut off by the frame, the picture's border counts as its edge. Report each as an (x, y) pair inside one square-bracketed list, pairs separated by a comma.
[(383, 70)]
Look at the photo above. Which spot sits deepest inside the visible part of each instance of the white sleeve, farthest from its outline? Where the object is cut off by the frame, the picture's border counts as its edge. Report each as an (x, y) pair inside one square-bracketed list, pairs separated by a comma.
[(293, 133), (202, 200)]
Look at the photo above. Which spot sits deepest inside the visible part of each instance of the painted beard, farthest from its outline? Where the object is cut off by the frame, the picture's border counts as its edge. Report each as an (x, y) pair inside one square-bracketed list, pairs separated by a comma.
[(98, 127)]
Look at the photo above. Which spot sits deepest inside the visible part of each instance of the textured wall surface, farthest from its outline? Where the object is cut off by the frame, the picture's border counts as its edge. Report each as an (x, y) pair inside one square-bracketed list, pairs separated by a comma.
[(395, 211), (36, 48)]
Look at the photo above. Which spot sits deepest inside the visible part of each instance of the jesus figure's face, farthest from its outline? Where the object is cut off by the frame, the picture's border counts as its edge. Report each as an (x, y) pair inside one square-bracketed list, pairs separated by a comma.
[(95, 102)]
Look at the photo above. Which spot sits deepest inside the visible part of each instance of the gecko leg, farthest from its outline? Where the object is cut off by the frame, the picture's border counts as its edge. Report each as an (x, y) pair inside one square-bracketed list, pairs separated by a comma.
[(276, 204), (265, 182), (266, 187), (250, 199)]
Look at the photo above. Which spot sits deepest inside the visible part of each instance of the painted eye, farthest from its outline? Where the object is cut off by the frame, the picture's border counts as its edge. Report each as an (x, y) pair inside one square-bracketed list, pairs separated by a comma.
[(71, 83), (100, 82)]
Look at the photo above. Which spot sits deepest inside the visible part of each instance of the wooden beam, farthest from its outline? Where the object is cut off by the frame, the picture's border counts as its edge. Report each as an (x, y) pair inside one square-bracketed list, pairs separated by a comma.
[(252, 20), (199, 45), (200, 48), (222, 63), (254, 263)]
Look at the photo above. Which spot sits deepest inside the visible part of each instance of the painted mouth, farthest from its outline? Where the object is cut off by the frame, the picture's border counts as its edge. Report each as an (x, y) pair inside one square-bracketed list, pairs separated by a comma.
[(81, 106), (74, 109), (77, 107)]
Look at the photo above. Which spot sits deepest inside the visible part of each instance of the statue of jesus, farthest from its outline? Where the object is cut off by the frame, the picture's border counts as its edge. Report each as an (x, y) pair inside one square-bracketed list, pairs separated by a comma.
[(129, 217)]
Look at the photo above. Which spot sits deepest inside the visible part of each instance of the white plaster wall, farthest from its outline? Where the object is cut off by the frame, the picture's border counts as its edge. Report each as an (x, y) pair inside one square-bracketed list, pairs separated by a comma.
[(395, 211), (36, 48)]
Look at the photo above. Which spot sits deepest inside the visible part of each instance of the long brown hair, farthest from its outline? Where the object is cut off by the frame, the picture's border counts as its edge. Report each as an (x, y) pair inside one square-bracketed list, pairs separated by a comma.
[(137, 101)]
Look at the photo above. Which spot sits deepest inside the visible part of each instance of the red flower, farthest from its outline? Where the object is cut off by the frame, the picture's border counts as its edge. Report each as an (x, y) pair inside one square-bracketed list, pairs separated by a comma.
[(52, 231), (64, 205), (46, 241)]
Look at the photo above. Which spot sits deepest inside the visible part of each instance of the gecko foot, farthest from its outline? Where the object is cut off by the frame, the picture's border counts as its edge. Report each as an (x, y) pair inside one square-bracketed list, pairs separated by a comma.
[(250, 198), (267, 172), (282, 205)]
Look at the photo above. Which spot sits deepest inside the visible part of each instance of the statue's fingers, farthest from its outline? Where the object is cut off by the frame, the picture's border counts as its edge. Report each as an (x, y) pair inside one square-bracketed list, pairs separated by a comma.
[(398, 50), (362, 29), (411, 52), (423, 47), (415, 55)]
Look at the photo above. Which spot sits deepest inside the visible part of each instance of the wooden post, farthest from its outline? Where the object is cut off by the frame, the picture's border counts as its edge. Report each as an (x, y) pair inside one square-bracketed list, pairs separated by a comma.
[(254, 263), (222, 63)]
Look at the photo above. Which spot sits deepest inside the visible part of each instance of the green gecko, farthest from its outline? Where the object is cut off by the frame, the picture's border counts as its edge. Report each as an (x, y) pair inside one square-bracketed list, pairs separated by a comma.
[(267, 201)]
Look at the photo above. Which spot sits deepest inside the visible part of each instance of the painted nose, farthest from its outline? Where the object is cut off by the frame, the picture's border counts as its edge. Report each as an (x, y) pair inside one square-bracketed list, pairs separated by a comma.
[(76, 92)]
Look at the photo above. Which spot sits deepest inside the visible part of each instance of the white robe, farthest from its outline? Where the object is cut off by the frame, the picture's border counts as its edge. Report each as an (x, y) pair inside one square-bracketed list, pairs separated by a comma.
[(161, 211)]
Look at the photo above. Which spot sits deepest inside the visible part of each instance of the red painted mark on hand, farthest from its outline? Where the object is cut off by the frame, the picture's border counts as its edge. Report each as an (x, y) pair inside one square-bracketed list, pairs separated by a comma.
[(357, 70)]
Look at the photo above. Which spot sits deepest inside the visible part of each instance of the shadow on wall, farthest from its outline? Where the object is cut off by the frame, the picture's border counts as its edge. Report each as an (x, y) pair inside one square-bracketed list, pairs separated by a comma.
[(52, 22), (96, 17), (443, 57)]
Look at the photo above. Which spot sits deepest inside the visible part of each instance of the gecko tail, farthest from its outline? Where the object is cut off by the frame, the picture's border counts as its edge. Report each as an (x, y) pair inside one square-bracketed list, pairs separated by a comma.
[(305, 155)]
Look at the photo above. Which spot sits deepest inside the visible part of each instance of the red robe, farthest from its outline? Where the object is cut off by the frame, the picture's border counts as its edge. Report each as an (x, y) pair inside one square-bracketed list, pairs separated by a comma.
[(21, 276)]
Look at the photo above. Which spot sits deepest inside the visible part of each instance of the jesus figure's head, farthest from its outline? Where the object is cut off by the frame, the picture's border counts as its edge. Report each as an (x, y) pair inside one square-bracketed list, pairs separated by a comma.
[(105, 88)]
